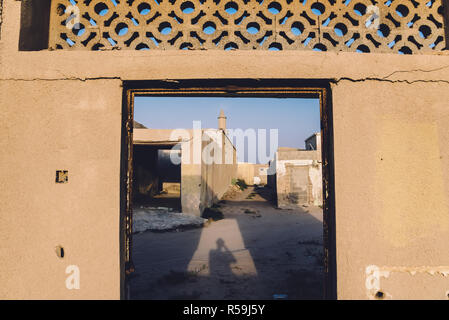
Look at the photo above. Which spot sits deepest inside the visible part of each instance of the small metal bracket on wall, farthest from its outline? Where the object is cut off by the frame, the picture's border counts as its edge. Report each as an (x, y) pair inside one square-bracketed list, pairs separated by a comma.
[(62, 176)]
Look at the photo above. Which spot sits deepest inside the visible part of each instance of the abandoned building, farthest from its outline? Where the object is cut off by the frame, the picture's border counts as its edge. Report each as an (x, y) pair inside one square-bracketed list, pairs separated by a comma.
[(153, 172), (296, 175), (201, 183), (379, 68), (314, 142)]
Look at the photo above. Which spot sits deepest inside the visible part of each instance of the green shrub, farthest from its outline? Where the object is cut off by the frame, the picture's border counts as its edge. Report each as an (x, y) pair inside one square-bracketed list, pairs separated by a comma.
[(239, 183)]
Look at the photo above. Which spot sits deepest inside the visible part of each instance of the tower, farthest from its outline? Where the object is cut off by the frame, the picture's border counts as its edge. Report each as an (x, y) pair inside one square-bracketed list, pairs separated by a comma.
[(222, 121)]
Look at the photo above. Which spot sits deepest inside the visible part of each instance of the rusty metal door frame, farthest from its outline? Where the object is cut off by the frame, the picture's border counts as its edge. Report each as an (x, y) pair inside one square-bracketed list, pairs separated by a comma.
[(270, 88)]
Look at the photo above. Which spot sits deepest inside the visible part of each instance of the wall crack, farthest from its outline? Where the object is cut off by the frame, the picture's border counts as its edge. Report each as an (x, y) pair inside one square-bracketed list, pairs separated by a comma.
[(62, 79), (336, 81)]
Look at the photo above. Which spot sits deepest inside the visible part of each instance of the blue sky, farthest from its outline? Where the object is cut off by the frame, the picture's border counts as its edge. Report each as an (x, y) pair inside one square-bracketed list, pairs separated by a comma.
[(295, 118)]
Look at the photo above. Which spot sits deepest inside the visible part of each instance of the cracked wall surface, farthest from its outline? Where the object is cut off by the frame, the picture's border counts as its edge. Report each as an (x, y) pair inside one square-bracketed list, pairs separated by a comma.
[(61, 110), (378, 286)]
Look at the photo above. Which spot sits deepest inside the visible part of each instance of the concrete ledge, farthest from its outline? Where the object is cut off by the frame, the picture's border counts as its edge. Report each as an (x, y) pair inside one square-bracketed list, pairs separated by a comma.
[(159, 65)]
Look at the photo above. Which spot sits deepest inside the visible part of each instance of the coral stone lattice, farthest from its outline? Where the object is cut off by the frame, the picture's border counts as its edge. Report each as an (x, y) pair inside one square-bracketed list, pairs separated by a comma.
[(403, 26)]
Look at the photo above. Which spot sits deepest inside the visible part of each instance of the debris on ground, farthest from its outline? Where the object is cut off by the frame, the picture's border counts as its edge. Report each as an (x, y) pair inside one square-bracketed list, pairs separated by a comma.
[(316, 255), (232, 191), (163, 219), (251, 195), (254, 213), (212, 213)]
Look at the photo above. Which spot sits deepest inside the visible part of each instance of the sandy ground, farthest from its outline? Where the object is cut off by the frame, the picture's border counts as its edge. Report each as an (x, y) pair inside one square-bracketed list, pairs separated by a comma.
[(255, 252)]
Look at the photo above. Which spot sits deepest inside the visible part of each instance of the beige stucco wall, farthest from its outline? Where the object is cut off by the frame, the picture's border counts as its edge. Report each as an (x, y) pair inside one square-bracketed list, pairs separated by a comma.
[(217, 176), (61, 110), (392, 186), (155, 136), (59, 125), (248, 171)]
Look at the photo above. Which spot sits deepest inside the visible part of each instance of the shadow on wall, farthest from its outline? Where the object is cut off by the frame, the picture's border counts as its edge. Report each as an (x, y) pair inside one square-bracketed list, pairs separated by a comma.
[(34, 25), (241, 257), (151, 168), (145, 177)]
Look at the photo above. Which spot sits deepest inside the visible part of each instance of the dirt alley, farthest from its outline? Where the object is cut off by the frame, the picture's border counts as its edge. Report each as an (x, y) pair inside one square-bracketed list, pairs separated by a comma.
[(256, 252)]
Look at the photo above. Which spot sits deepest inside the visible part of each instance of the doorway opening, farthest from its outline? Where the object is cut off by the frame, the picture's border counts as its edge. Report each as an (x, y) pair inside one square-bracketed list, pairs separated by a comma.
[(156, 179), (205, 219)]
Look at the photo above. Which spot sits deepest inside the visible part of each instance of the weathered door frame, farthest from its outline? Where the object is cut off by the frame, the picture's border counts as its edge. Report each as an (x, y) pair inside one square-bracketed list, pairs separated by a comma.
[(269, 88)]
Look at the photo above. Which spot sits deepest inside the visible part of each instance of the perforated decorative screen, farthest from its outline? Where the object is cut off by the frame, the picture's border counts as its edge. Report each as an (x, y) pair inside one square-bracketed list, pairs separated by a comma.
[(1, 20), (403, 26)]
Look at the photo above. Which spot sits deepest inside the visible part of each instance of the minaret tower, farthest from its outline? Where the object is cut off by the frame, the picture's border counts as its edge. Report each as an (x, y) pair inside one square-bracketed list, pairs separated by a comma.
[(222, 121)]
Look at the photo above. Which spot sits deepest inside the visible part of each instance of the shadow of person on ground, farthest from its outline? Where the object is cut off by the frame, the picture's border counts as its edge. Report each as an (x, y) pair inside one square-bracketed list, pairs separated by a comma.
[(220, 260)]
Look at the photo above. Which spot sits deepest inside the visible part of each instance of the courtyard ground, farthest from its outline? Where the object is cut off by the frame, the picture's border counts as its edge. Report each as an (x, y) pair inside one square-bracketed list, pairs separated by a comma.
[(255, 252)]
